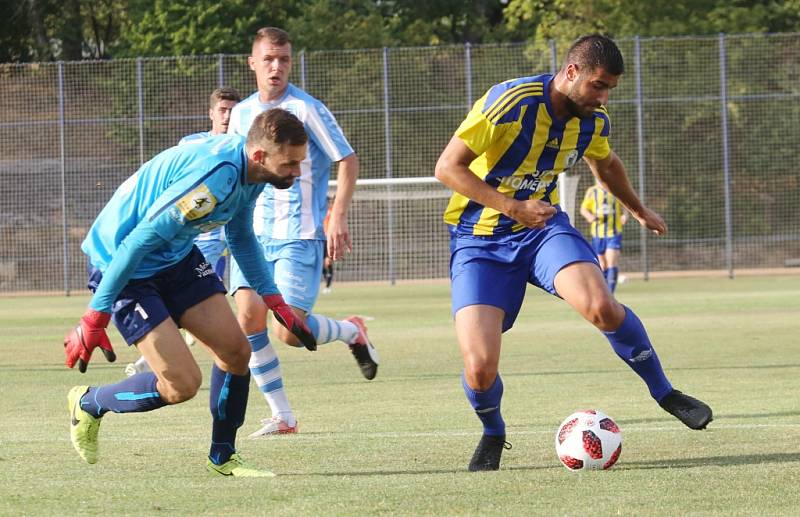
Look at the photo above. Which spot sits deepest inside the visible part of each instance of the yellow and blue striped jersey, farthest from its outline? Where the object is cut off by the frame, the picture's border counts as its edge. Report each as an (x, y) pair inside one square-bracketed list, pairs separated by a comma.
[(608, 210), (521, 148)]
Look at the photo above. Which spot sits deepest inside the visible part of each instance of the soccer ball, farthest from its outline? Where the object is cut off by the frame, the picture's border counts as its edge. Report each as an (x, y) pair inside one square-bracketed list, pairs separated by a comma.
[(588, 439)]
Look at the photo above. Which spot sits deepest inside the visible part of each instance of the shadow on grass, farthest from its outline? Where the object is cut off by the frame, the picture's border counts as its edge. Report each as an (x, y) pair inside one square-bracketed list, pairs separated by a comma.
[(681, 463), (717, 417), (717, 461)]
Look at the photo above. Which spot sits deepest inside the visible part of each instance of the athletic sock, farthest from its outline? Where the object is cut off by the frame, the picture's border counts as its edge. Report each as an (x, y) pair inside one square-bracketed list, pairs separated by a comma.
[(135, 394), (487, 406), (326, 330), (228, 402), (612, 274), (266, 370), (632, 345)]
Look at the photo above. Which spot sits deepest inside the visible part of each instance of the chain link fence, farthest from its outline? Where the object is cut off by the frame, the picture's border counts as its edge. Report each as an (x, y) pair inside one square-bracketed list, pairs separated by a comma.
[(707, 127)]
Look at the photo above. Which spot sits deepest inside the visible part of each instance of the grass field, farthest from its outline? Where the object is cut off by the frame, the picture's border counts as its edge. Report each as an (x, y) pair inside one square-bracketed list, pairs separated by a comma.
[(400, 444)]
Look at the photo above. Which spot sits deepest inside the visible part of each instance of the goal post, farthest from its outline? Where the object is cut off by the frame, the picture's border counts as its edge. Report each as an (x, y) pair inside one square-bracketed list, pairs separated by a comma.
[(398, 232)]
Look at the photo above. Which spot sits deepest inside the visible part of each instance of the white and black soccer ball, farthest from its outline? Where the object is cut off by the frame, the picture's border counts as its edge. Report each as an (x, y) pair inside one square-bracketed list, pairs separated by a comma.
[(588, 440)]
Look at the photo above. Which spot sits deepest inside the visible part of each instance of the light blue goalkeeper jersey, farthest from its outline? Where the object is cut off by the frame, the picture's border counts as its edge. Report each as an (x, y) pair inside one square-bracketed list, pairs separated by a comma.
[(217, 234), (297, 212), (152, 219)]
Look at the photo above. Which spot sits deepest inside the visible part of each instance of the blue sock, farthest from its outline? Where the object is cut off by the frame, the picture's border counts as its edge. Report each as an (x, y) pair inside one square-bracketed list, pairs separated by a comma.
[(228, 401), (612, 274), (632, 345), (133, 395), (487, 406)]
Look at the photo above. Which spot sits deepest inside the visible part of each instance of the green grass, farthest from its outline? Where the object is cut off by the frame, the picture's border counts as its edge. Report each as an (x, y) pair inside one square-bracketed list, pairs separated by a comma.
[(400, 444)]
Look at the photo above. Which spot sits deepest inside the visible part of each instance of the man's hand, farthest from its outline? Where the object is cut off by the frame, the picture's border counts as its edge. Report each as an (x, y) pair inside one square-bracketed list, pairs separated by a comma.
[(88, 335), (652, 221), (338, 235), (286, 317), (532, 213)]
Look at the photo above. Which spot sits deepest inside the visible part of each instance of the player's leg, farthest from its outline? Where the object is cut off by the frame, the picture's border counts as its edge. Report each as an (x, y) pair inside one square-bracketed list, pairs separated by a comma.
[(142, 317), (265, 366), (565, 266), (487, 292), (214, 324), (611, 268), (297, 273)]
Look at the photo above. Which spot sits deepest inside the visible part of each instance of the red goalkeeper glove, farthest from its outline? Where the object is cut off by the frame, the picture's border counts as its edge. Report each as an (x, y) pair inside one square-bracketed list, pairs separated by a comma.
[(88, 335), (286, 317)]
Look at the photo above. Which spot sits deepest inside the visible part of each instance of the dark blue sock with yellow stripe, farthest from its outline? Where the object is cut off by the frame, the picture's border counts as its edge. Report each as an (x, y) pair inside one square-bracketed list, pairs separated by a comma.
[(228, 401), (135, 394)]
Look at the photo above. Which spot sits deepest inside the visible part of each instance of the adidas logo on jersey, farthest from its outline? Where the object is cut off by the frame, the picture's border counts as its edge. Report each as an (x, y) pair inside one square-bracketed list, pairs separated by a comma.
[(553, 144)]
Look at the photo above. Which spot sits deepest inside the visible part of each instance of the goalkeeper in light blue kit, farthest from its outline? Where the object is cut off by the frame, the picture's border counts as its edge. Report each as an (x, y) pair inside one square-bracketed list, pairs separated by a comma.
[(212, 243), (289, 225), (147, 274)]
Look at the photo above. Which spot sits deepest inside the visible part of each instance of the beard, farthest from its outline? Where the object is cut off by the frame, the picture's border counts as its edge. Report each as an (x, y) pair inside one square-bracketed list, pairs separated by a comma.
[(576, 109)]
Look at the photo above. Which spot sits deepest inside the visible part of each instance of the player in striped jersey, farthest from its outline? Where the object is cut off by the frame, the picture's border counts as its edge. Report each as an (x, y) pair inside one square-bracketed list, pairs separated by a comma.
[(212, 243), (606, 216), (146, 272), (502, 164), (289, 226)]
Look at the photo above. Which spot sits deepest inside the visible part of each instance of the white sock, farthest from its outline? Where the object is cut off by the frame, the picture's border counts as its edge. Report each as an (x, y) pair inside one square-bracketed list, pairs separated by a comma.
[(266, 370), (326, 330)]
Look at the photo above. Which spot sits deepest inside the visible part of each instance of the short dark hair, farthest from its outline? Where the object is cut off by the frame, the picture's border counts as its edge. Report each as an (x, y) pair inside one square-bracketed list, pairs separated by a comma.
[(273, 34), (223, 93), (596, 51), (276, 126)]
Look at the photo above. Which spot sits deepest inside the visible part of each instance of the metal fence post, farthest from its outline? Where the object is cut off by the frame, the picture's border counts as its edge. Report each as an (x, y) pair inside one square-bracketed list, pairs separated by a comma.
[(387, 134), (726, 167), (303, 69), (220, 70), (637, 56), (553, 57), (468, 72), (63, 160), (140, 99)]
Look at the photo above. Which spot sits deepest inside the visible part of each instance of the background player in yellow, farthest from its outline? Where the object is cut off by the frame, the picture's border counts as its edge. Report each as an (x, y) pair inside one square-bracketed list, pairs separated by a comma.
[(606, 216), (502, 164)]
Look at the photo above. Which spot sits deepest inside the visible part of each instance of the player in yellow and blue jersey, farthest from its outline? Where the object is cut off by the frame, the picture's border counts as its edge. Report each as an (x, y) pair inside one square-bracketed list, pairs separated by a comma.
[(606, 216), (146, 273), (509, 231)]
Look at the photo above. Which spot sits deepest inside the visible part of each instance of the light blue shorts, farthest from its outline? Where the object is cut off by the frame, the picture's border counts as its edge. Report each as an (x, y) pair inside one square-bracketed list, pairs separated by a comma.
[(296, 267), (495, 270)]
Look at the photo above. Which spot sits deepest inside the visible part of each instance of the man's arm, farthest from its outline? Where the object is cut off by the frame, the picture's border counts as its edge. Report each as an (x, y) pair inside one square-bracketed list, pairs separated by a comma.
[(611, 173), (590, 217), (338, 232), (452, 169)]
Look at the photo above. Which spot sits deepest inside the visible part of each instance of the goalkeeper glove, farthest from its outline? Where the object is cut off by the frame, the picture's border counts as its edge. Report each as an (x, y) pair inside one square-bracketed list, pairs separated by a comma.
[(88, 335), (286, 317)]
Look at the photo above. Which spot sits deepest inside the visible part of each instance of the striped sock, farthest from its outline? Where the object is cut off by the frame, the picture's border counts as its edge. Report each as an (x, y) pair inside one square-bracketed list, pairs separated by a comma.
[(266, 370), (326, 330)]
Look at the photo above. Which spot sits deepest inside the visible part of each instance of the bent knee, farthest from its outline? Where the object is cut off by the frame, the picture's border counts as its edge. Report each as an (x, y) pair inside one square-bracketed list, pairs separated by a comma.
[(235, 358), (480, 377), (180, 388), (605, 313), (283, 334)]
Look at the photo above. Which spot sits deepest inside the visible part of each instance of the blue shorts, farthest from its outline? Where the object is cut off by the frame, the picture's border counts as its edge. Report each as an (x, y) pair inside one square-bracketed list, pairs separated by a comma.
[(496, 270), (213, 250), (145, 302), (296, 267), (601, 244)]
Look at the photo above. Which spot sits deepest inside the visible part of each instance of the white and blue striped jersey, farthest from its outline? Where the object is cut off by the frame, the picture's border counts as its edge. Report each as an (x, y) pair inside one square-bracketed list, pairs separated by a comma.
[(217, 234), (297, 212), (152, 219)]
